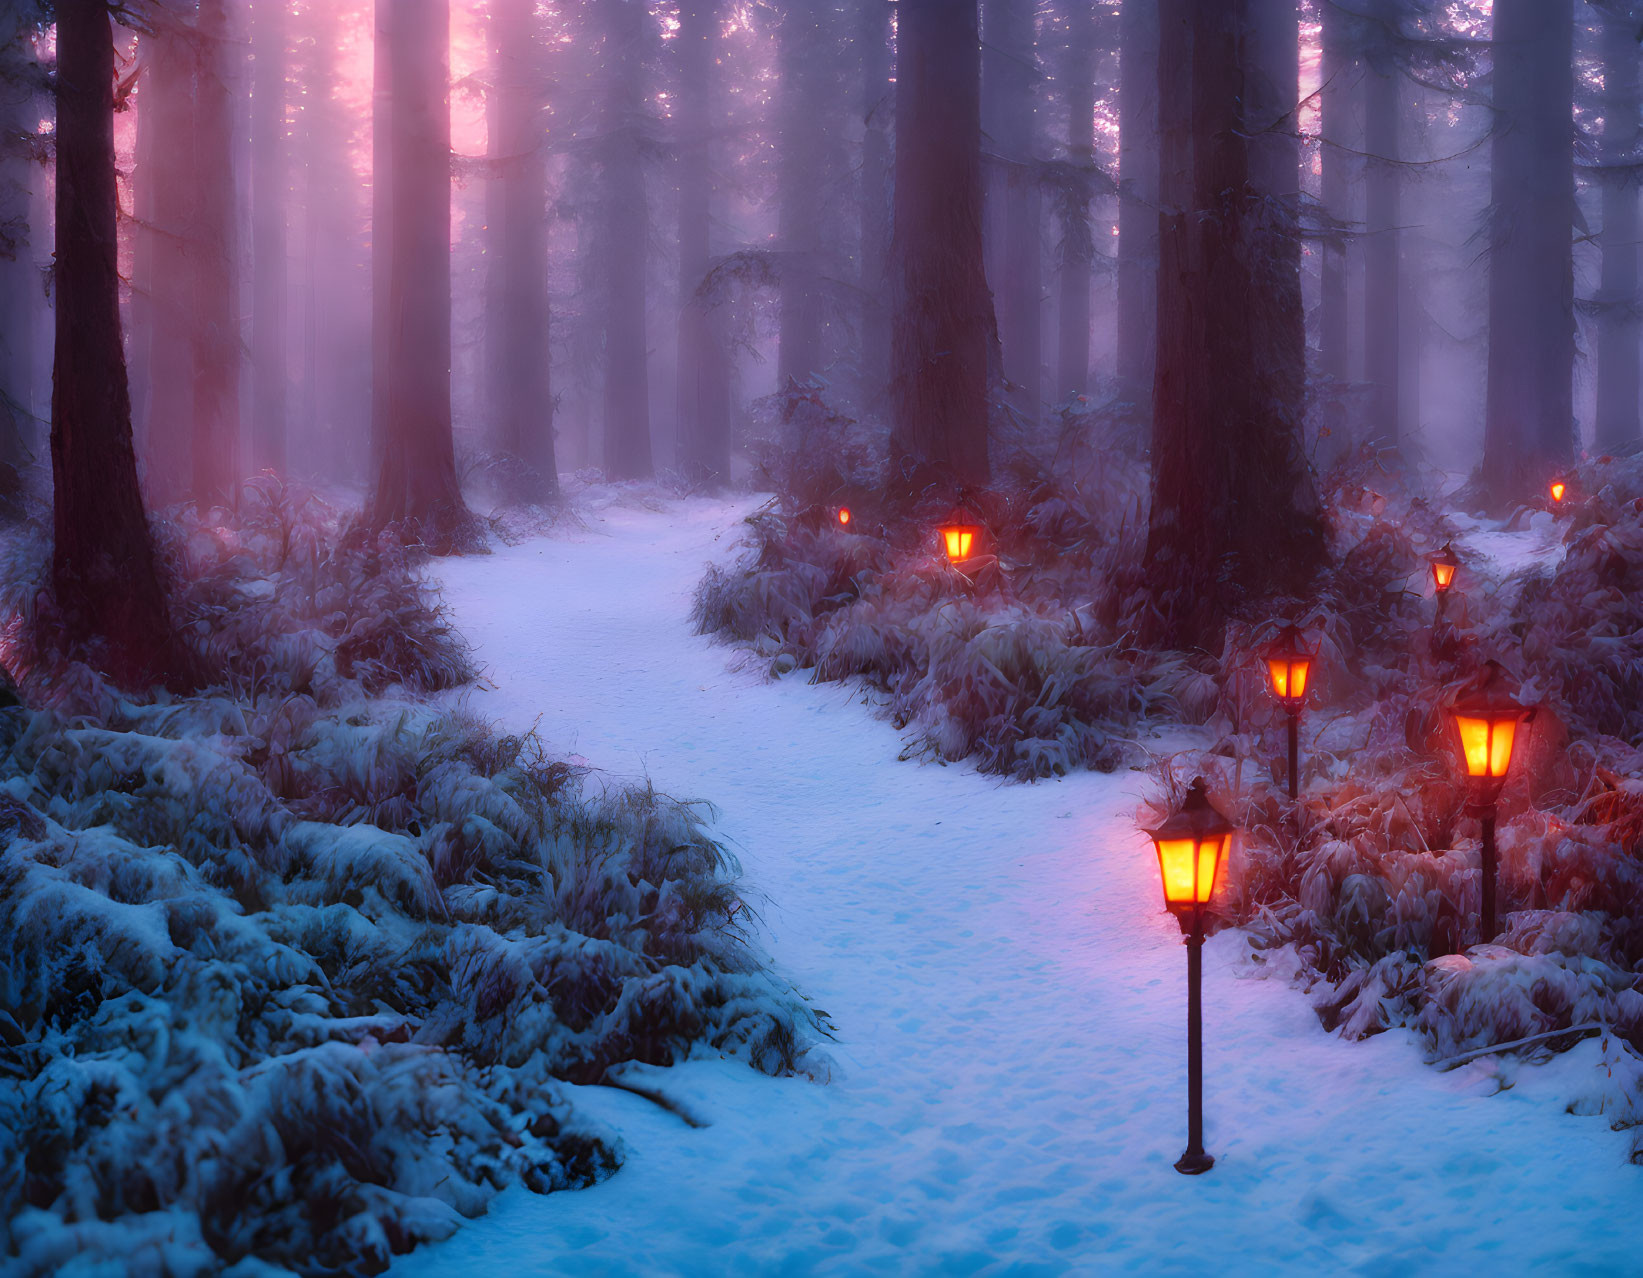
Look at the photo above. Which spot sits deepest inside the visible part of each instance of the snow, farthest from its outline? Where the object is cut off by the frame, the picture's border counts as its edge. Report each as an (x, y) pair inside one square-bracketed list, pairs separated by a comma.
[(1009, 1085)]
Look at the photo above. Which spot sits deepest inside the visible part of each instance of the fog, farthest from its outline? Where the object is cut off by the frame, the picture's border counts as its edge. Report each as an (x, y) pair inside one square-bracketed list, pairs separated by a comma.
[(661, 214)]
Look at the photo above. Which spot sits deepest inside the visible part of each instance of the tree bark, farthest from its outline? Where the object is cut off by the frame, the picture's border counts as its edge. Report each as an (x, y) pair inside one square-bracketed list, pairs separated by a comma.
[(382, 227), (1137, 201), (270, 195), (809, 167), (623, 233), (703, 370), (942, 312), (102, 566), (1382, 343), (1529, 416), (19, 282), (1235, 515), (417, 486), (166, 104), (1618, 381), (1337, 78), (878, 112), (216, 331), (516, 318), (1009, 84)]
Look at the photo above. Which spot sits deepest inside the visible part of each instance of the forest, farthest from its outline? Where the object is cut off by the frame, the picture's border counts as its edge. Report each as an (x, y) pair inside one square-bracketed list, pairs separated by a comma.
[(614, 613)]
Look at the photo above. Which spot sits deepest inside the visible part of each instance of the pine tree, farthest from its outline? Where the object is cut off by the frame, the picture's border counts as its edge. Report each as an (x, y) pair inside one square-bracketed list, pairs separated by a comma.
[(102, 568)]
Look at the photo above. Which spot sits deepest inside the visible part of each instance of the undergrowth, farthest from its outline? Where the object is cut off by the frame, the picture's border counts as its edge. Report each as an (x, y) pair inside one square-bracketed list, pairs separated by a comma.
[(294, 969), (1023, 658), (1367, 890)]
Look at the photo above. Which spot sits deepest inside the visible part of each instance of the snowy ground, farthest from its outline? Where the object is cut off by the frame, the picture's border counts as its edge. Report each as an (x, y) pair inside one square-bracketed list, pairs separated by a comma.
[(1009, 1090)]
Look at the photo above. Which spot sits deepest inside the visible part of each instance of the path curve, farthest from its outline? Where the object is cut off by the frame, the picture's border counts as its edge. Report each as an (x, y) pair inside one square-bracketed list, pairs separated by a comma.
[(1010, 998)]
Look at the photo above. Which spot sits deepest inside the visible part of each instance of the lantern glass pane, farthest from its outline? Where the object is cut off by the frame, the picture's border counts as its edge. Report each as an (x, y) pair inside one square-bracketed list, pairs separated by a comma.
[(1298, 671), (1209, 857), (1474, 743), (958, 541), (1278, 671), (1177, 862), (1443, 574), (1557, 492), (1502, 733)]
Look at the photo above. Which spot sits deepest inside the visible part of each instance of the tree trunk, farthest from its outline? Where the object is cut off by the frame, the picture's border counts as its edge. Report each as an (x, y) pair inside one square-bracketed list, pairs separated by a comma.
[(1138, 197), (703, 372), (331, 426), (1234, 513), (1382, 238), (417, 486), (216, 331), (1618, 382), (270, 190), (942, 313), (102, 565), (809, 165), (516, 311), (878, 111), (623, 234), (1277, 314), (19, 282), (166, 103), (1009, 83), (1337, 76), (1529, 417), (382, 228)]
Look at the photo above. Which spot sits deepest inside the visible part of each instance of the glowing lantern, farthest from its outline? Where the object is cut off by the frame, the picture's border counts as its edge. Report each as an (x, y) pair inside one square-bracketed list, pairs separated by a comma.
[(1486, 720), (1487, 716), (1192, 846), (958, 536), (844, 516), (1288, 664), (1444, 564), (1559, 488)]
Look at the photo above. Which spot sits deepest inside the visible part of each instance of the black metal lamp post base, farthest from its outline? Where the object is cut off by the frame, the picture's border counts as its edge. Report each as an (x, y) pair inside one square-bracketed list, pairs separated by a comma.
[(1195, 1162)]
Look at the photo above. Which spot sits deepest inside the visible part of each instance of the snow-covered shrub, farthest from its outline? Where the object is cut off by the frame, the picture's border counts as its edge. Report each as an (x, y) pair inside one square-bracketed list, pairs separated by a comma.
[(296, 970), (1020, 661), (802, 445), (1368, 888)]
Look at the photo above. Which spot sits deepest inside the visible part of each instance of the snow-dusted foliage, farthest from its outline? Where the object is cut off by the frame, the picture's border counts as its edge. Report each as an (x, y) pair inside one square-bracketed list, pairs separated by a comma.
[(1020, 659), (1369, 887), (293, 974)]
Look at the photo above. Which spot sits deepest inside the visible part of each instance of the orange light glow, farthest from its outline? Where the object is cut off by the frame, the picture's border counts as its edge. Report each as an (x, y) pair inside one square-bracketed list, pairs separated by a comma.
[(844, 516), (1288, 675), (1558, 489), (1443, 575), (1190, 868), (1487, 744), (1192, 845), (958, 541)]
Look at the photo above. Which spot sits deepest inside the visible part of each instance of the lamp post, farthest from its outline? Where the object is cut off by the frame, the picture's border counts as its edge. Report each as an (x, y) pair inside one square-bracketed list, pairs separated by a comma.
[(1487, 716), (1288, 666), (1192, 846), (958, 535)]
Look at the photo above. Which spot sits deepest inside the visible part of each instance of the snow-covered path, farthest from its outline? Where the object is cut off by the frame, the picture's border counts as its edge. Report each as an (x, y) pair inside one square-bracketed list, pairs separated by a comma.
[(1009, 995)]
